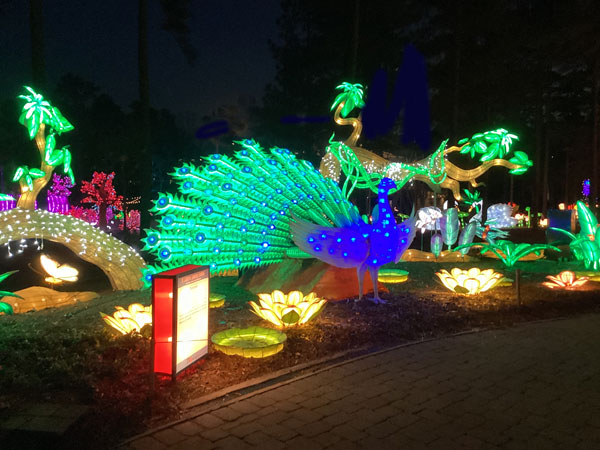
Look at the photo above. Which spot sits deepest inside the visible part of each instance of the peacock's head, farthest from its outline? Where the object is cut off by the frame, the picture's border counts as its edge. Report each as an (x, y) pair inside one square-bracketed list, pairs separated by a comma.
[(386, 185)]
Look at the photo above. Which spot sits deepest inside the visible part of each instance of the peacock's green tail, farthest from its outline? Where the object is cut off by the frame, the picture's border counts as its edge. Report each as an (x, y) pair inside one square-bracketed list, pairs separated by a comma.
[(234, 212)]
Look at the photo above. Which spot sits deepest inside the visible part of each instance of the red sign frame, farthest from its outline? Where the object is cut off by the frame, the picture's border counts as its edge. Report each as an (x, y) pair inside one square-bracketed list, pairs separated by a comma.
[(166, 290)]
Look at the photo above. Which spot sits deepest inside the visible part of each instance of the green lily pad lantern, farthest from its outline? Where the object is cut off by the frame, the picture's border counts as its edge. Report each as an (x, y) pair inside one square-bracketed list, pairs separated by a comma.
[(216, 300), (392, 276), (252, 342)]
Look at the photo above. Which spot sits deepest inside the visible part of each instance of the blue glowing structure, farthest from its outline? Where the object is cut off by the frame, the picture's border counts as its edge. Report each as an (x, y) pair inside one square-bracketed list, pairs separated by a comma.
[(358, 244)]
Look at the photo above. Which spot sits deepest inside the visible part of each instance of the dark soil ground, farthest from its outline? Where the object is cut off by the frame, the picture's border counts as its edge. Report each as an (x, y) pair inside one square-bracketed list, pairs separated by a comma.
[(69, 355)]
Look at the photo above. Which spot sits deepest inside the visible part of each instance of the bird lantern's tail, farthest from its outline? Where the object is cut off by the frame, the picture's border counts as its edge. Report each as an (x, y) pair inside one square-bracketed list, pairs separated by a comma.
[(234, 212)]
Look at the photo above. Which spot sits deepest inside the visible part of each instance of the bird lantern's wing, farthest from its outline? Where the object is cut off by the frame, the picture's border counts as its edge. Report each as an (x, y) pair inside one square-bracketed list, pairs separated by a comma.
[(341, 247), (406, 234)]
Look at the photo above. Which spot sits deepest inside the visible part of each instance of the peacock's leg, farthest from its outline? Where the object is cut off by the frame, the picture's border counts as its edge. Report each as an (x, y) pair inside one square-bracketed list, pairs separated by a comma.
[(360, 272), (374, 271)]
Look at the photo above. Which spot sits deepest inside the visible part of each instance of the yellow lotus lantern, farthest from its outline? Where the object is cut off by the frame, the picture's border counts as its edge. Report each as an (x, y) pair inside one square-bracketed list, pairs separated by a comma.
[(131, 319), (287, 310), (471, 281), (565, 280)]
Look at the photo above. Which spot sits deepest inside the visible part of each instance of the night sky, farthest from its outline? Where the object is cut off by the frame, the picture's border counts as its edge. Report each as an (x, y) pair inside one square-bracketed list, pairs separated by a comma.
[(97, 40)]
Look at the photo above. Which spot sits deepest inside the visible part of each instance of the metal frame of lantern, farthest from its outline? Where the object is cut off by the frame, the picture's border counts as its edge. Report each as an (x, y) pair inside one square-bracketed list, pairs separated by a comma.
[(166, 296)]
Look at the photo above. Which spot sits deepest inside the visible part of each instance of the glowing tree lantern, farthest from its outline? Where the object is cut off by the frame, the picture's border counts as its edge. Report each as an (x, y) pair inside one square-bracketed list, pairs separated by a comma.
[(288, 310), (101, 192), (87, 214), (180, 302), (133, 221), (565, 280), (471, 281), (58, 194), (364, 169), (43, 122)]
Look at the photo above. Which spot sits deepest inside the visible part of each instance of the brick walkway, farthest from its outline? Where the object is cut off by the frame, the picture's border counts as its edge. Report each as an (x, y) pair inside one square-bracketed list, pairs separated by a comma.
[(535, 386)]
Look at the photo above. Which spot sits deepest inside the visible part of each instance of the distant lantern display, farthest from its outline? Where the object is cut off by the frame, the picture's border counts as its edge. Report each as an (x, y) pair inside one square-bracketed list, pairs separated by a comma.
[(586, 188)]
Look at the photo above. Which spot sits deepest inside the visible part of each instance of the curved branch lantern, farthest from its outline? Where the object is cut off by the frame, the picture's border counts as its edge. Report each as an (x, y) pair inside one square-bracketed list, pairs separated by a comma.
[(364, 169)]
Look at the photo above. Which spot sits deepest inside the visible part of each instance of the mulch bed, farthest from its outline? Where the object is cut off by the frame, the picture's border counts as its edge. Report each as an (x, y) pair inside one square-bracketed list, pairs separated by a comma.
[(69, 355)]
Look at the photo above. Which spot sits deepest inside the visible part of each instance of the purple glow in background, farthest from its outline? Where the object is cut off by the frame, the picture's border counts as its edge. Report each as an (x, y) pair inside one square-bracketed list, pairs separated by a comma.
[(586, 188), (58, 204)]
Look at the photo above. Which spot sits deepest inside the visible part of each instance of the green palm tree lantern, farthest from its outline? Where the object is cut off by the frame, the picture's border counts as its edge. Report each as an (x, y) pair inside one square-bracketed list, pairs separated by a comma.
[(43, 122), (346, 101)]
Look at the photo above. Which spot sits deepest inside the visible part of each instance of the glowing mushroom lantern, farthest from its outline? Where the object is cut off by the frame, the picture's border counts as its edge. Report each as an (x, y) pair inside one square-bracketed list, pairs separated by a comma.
[(565, 280), (287, 310), (471, 281)]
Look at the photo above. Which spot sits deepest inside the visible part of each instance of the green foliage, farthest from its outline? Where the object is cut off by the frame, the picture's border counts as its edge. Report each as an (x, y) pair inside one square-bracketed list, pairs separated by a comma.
[(351, 96), (27, 174), (509, 252), (585, 246), (3, 277), (471, 198), (490, 144), (521, 159), (36, 111), (5, 308)]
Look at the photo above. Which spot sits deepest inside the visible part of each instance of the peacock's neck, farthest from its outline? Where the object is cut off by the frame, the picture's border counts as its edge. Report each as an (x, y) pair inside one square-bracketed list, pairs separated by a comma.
[(385, 216)]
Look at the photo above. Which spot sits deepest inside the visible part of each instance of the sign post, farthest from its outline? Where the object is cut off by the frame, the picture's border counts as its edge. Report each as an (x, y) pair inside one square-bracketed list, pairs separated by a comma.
[(180, 318)]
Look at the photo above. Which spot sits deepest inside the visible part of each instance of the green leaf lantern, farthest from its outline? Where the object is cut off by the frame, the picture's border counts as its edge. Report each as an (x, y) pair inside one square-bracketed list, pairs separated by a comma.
[(436, 244)]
